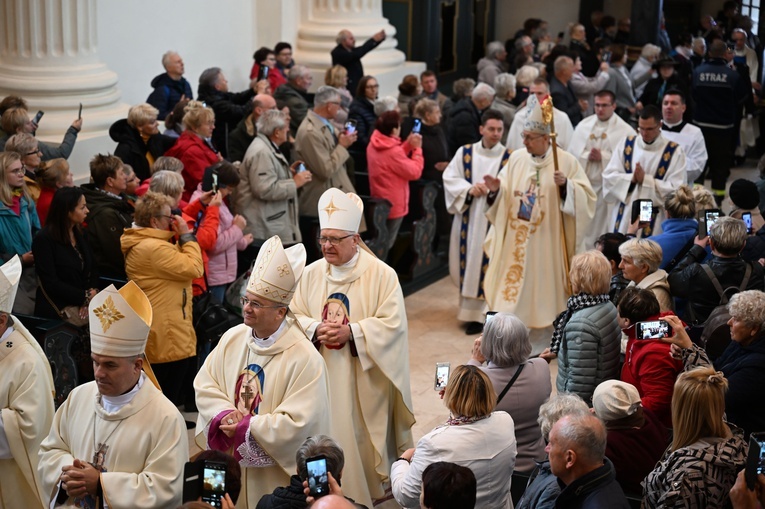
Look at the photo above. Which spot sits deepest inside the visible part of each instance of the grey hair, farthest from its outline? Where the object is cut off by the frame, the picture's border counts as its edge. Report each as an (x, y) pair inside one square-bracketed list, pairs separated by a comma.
[(749, 307), (643, 252), (562, 62), (210, 77), (270, 121), (341, 36), (297, 71), (383, 104), (168, 163), (321, 445), (494, 48), (463, 87), (729, 235), (699, 41), (168, 183), (325, 94), (650, 51), (166, 57), (506, 341), (558, 406), (484, 92), (586, 434), (522, 41), (526, 75), (504, 84)]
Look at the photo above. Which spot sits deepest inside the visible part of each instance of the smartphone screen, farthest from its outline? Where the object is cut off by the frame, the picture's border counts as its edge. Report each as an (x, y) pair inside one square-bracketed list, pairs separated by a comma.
[(607, 57), (215, 182), (442, 375), (318, 481), (646, 209), (653, 330), (301, 168), (747, 217), (417, 126), (350, 127), (755, 460), (489, 316), (214, 483), (263, 74), (710, 216), (37, 118)]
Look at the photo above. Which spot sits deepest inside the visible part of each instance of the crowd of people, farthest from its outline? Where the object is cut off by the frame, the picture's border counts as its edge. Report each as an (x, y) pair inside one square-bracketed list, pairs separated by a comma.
[(544, 167)]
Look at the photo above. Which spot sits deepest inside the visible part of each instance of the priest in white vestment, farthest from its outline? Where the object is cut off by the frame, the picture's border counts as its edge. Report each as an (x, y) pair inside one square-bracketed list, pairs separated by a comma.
[(685, 134), (647, 167), (351, 303), (26, 401), (538, 219), (263, 390), (594, 141), (465, 194), (563, 126), (116, 441)]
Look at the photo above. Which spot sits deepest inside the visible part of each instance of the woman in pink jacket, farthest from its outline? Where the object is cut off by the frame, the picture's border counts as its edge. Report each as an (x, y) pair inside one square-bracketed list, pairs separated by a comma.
[(222, 264), (392, 165)]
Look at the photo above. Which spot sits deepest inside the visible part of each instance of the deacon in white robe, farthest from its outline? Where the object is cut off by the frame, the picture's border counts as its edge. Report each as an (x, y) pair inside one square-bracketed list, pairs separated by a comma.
[(465, 193), (688, 136), (352, 304), (563, 126), (645, 180), (263, 390), (26, 401), (538, 219), (117, 440), (593, 143)]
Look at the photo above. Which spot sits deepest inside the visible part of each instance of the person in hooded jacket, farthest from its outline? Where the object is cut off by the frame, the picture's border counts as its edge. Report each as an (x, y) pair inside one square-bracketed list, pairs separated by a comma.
[(392, 165), (139, 142), (170, 86)]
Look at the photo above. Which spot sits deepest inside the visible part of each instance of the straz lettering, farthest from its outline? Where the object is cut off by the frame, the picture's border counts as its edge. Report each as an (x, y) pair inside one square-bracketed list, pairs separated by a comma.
[(713, 77)]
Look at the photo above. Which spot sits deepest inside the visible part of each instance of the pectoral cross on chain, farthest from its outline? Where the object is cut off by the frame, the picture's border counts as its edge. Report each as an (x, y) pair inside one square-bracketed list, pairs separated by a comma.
[(249, 396)]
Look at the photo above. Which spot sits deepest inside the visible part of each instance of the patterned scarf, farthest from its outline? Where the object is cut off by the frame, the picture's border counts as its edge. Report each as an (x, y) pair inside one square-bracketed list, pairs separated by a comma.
[(575, 303), (461, 419)]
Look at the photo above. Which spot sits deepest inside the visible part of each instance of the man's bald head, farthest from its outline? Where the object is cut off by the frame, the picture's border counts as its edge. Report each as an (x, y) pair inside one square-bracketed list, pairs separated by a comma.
[(262, 103), (332, 502)]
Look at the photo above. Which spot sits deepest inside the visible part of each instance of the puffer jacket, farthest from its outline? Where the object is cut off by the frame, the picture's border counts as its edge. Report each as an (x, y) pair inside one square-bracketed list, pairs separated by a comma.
[(362, 110), (107, 219), (131, 148), (698, 476), (164, 272), (589, 350), (221, 265), (167, 92), (392, 165)]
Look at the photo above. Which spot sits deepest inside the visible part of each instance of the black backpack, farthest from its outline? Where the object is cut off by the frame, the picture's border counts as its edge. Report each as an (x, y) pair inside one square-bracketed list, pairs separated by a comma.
[(716, 334)]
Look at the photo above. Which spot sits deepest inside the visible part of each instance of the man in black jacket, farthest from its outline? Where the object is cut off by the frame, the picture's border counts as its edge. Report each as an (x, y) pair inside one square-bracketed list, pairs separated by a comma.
[(464, 122), (349, 56), (170, 86), (689, 279), (563, 97)]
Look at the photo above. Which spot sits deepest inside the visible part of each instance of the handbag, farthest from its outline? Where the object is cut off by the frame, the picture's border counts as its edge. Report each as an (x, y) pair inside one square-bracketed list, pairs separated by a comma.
[(211, 320), (69, 314)]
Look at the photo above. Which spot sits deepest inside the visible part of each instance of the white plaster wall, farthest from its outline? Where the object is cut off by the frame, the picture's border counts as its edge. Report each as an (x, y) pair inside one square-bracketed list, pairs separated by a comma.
[(133, 35), (512, 13)]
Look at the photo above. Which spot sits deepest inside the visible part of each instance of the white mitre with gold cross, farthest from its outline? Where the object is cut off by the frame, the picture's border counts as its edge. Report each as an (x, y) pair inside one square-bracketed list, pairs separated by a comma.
[(535, 119), (340, 211), (10, 275), (120, 321), (277, 271)]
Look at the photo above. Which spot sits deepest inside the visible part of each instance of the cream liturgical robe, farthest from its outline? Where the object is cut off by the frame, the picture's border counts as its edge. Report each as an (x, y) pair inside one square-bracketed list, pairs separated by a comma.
[(283, 391), (589, 134), (459, 202), (534, 234), (371, 401), (26, 404), (145, 441), (617, 183)]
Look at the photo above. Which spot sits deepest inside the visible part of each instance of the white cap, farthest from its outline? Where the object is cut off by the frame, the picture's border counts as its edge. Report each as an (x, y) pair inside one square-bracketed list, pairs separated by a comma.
[(614, 400), (340, 211), (120, 321), (277, 271), (535, 118), (10, 275)]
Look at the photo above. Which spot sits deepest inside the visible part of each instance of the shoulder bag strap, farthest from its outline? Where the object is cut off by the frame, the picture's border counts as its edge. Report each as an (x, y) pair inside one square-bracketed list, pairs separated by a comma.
[(510, 383), (747, 274), (714, 280)]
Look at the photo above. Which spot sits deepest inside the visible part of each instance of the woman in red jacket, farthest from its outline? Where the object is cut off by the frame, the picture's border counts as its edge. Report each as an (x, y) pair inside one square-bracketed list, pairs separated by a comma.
[(194, 148), (392, 164)]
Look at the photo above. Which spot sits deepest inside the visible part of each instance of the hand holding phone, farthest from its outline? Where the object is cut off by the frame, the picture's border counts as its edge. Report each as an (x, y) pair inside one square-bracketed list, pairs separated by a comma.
[(350, 127), (706, 219), (214, 483), (36, 120), (442, 375), (79, 113), (654, 329), (755, 460), (642, 211), (417, 126), (318, 476)]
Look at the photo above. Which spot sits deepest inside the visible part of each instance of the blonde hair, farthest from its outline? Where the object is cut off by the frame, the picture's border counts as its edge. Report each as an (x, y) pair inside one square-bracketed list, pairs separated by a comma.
[(13, 119), (680, 203), (167, 182), (52, 172), (643, 252), (150, 205), (196, 114), (590, 273), (698, 405), (469, 393), (704, 198), (425, 106), (6, 191), (141, 114), (335, 75)]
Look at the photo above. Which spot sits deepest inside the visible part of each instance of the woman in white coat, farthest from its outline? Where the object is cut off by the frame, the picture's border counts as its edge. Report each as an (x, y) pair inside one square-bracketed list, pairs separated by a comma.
[(474, 436)]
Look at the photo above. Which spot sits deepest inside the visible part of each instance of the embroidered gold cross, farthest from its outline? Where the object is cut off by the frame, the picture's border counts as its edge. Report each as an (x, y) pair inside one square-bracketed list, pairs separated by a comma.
[(331, 208), (108, 314)]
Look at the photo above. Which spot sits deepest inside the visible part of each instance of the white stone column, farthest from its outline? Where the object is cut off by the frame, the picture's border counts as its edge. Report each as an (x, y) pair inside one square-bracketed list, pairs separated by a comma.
[(48, 55), (320, 22)]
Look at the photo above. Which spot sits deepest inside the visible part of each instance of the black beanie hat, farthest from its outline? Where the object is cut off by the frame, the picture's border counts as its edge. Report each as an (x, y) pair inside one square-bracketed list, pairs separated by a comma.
[(744, 194)]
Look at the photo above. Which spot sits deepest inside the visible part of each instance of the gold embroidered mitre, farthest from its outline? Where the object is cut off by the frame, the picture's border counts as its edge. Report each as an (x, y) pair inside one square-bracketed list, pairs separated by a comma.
[(277, 271), (536, 120), (119, 321), (340, 211), (10, 275)]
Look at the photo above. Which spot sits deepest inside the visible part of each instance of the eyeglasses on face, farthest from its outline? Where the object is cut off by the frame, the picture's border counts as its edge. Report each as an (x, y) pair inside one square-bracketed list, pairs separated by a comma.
[(332, 240), (247, 302), (35, 151)]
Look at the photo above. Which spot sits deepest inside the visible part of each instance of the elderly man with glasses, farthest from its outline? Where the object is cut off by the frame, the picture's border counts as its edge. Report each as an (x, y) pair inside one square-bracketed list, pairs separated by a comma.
[(351, 305), (264, 388)]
